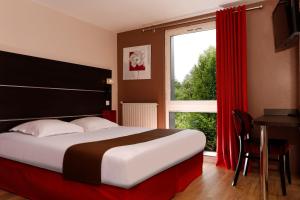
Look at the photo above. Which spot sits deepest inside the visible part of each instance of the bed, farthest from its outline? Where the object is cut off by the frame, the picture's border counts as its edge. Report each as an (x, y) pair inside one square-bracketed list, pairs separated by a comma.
[(123, 167), (32, 167)]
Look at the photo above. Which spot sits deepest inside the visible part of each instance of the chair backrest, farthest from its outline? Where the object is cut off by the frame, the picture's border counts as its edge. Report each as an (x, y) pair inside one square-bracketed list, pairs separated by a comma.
[(242, 123)]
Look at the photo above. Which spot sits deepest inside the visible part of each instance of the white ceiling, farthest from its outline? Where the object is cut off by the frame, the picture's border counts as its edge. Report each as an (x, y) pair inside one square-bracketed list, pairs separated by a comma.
[(123, 15)]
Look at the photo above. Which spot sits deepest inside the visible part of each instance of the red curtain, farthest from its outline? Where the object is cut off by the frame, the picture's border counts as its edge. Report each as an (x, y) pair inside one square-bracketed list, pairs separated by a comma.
[(231, 80)]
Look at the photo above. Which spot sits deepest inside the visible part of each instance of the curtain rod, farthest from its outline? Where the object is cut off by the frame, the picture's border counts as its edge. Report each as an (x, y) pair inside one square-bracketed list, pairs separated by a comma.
[(153, 28)]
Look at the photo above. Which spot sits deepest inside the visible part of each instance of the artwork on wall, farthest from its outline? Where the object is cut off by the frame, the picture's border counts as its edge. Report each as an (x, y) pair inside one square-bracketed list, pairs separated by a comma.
[(137, 62)]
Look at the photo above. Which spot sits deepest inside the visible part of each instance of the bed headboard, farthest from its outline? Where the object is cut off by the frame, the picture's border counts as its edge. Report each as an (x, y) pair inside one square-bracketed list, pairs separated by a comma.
[(34, 88)]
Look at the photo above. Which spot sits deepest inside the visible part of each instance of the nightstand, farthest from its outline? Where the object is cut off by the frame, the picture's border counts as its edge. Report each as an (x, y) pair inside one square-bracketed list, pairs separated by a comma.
[(111, 115)]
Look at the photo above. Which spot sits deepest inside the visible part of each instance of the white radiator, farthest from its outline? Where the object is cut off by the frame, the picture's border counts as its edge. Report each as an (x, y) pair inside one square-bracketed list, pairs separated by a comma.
[(140, 114)]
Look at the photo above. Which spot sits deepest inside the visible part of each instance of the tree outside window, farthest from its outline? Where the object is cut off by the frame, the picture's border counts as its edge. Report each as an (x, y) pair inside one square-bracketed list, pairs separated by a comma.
[(199, 84)]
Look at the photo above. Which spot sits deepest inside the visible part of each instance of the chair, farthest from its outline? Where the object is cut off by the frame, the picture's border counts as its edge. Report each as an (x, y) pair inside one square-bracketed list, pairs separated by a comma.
[(249, 148)]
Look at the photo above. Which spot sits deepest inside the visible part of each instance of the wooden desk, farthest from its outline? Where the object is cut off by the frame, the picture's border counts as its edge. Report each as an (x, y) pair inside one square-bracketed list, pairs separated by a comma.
[(264, 122)]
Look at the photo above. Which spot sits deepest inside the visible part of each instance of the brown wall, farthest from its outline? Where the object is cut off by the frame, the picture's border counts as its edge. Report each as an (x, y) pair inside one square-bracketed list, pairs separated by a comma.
[(151, 90), (272, 77)]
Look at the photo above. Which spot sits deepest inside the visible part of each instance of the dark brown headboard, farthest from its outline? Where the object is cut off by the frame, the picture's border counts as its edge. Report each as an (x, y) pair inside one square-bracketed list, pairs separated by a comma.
[(33, 88)]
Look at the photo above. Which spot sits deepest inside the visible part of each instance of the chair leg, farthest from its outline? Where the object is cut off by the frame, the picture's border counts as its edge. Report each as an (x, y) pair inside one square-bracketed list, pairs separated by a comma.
[(239, 164), (237, 171), (287, 167), (246, 166), (282, 176)]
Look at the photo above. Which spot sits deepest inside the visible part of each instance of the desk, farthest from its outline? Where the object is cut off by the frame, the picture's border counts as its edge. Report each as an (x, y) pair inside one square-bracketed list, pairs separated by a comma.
[(264, 122)]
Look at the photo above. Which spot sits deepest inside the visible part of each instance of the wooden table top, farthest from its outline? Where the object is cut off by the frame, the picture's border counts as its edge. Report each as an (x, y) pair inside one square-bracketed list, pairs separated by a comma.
[(278, 120)]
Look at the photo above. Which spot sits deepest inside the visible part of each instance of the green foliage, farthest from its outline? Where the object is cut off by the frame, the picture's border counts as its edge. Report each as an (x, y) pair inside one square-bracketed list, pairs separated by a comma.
[(206, 122), (199, 84)]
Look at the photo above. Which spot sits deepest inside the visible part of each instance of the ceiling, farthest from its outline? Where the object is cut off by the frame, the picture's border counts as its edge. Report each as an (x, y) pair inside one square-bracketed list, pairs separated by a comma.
[(123, 15)]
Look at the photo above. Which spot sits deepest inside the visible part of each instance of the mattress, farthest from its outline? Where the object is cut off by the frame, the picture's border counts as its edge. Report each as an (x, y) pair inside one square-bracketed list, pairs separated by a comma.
[(123, 166)]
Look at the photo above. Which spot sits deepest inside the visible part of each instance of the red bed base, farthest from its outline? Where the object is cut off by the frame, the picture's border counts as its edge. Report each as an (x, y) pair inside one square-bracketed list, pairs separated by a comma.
[(36, 183)]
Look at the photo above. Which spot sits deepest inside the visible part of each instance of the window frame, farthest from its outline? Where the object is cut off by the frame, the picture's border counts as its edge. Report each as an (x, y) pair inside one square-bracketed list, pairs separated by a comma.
[(201, 106)]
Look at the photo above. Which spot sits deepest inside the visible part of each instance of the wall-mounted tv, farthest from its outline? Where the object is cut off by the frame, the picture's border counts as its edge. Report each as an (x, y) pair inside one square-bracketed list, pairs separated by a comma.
[(286, 24)]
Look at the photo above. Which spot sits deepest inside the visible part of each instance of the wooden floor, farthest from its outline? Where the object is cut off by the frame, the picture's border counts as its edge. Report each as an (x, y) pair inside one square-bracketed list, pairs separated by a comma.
[(215, 183)]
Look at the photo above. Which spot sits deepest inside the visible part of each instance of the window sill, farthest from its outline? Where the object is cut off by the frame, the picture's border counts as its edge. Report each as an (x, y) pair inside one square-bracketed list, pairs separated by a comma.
[(210, 153), (210, 157)]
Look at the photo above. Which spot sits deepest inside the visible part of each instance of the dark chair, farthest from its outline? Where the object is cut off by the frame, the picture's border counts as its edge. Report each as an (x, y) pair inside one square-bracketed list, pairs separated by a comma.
[(249, 148)]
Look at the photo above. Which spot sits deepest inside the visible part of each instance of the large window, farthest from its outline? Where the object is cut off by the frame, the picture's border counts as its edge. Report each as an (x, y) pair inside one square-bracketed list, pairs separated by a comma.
[(191, 80)]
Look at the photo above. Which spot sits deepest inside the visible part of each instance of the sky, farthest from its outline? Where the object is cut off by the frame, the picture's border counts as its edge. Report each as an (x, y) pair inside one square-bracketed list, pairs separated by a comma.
[(187, 48)]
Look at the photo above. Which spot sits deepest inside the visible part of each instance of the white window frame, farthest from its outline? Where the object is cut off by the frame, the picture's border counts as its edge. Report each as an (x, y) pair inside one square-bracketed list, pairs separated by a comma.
[(201, 106)]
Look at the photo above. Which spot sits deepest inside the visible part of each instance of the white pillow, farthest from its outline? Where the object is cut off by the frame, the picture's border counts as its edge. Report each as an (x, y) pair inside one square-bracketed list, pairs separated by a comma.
[(93, 123), (47, 127)]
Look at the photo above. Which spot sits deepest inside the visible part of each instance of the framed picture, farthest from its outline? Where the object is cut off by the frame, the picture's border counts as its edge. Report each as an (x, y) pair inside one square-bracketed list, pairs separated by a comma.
[(137, 62)]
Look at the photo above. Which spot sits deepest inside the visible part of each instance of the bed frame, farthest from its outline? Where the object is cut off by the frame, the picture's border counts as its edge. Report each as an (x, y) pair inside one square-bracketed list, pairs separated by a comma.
[(36, 88)]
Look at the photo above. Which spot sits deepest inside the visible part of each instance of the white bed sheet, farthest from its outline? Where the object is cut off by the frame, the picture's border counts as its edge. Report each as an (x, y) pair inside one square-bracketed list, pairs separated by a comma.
[(123, 166)]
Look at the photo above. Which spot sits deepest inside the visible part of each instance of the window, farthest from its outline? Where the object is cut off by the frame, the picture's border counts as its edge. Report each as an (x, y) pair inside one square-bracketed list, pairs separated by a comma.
[(191, 80)]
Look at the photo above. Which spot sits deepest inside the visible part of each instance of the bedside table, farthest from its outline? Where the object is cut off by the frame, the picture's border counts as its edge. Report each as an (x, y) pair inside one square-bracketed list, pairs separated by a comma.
[(110, 115)]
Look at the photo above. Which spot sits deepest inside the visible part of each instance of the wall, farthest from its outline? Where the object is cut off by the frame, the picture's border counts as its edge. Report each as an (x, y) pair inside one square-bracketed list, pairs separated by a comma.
[(31, 29), (272, 77), (152, 90)]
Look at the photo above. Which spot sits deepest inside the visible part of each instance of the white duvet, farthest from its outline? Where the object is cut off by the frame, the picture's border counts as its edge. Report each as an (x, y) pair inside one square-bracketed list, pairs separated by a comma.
[(123, 166)]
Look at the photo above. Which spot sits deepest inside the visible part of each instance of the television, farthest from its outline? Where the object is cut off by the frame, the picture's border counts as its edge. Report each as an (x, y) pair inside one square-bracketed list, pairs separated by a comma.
[(286, 24)]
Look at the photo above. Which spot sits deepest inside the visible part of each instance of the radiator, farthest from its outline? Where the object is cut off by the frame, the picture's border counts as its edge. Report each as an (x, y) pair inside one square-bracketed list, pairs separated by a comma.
[(140, 114)]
